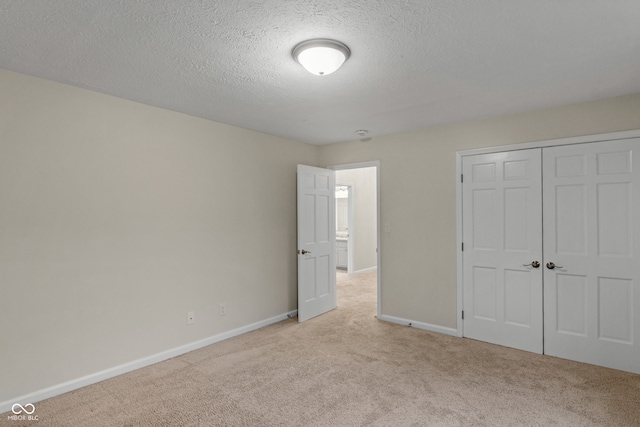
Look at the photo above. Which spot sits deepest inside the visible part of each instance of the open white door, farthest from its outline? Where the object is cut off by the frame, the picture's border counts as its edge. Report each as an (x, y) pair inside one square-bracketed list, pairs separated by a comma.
[(316, 242)]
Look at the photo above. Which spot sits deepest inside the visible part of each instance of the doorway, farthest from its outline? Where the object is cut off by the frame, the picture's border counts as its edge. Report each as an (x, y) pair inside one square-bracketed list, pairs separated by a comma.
[(344, 223), (359, 244)]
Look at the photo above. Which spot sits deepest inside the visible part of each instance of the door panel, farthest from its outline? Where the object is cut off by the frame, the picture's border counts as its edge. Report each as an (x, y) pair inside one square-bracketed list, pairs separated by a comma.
[(571, 309), (516, 237), (592, 233), (316, 242), (615, 299), (517, 298), (502, 231), (614, 219)]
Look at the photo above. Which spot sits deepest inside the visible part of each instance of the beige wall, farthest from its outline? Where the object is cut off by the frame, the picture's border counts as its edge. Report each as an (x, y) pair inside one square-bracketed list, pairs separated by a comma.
[(417, 180), (364, 234), (117, 218)]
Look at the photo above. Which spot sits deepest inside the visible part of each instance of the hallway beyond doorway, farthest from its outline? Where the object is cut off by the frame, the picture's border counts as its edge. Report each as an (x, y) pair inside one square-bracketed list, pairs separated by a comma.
[(357, 290)]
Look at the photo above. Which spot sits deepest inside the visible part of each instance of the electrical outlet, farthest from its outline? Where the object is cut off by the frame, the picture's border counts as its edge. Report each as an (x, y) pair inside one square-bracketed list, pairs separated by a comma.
[(223, 309), (191, 317)]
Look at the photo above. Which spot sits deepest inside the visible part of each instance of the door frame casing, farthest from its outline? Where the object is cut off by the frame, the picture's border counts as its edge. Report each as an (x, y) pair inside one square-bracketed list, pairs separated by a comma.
[(360, 165), (612, 136)]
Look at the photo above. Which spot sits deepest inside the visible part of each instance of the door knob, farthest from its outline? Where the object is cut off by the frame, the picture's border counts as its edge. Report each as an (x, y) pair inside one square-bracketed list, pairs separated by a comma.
[(534, 264), (303, 252), (551, 266)]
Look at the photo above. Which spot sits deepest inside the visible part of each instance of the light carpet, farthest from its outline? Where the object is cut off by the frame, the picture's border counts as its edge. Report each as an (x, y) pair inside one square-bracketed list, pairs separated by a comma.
[(346, 368)]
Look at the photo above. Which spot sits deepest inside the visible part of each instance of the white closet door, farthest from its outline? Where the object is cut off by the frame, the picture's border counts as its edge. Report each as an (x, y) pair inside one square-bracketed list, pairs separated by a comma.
[(502, 257), (592, 235)]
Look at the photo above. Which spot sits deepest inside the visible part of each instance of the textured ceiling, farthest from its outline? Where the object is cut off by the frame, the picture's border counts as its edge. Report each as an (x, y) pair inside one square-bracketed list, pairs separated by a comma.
[(414, 63)]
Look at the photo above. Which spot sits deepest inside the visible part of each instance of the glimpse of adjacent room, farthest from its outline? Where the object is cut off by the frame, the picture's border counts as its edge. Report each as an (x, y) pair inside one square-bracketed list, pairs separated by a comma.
[(356, 225)]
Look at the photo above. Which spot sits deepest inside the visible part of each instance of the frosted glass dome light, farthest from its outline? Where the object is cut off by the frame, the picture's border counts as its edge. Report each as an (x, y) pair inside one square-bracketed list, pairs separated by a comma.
[(321, 56)]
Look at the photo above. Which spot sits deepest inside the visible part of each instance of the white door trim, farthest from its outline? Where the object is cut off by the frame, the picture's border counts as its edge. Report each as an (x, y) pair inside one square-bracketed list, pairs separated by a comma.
[(359, 165), (521, 146)]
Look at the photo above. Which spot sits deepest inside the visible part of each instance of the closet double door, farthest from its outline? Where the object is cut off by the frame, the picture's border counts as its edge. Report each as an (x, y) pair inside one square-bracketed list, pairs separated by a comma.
[(550, 260)]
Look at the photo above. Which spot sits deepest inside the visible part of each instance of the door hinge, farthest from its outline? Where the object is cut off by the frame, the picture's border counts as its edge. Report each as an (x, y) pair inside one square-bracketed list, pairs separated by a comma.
[(461, 178), (462, 246), (462, 314)]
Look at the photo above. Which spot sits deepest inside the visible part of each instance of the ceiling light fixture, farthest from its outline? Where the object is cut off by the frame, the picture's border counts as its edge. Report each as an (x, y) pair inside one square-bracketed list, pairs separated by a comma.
[(321, 56)]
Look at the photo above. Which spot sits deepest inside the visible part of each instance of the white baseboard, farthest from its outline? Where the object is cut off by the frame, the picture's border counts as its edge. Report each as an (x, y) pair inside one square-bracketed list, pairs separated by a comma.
[(420, 325), (77, 383), (364, 270)]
